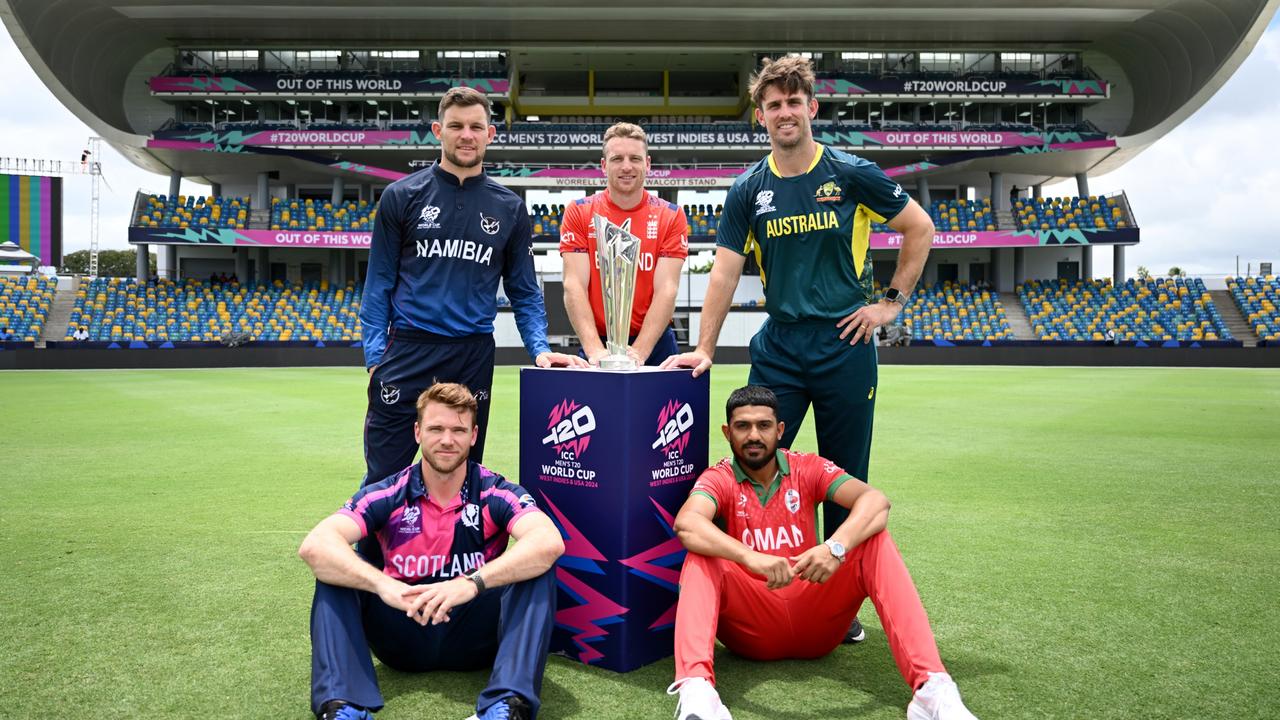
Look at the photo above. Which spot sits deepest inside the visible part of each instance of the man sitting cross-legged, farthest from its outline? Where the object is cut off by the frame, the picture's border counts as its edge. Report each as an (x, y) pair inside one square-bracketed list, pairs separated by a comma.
[(769, 590), (450, 598)]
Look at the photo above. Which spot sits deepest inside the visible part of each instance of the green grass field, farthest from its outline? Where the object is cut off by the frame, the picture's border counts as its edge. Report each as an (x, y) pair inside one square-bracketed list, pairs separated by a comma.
[(1090, 543)]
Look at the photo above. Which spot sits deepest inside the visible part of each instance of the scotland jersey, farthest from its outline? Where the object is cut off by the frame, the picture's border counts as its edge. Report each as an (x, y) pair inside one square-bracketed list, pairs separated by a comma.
[(810, 233), (439, 249), (423, 542)]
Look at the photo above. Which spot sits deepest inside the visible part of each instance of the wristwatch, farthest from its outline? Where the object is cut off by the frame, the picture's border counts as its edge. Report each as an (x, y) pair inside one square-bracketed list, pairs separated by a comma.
[(892, 295), (837, 550), (474, 577)]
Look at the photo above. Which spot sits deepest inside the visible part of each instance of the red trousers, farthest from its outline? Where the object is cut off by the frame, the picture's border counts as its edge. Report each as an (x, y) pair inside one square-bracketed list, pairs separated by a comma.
[(719, 598)]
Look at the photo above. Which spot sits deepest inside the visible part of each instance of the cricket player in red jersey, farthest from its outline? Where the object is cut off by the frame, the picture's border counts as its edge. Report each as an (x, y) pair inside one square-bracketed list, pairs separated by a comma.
[(664, 244), (769, 590)]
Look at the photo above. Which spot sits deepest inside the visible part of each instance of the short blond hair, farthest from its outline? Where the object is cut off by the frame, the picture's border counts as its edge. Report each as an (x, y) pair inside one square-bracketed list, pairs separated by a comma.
[(625, 130), (790, 74), (454, 396)]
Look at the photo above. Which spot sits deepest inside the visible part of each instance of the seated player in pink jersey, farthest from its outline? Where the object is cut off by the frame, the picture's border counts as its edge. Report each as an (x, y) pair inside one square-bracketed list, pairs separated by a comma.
[(768, 590)]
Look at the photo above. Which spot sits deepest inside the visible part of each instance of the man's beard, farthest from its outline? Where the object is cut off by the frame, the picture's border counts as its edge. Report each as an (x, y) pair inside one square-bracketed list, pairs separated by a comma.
[(444, 469), (459, 163), (753, 464), (789, 144)]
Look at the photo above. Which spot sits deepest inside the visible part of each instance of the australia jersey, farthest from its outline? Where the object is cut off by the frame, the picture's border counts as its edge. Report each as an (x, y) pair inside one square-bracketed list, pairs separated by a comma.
[(439, 249), (423, 542), (810, 233), (663, 232), (780, 519)]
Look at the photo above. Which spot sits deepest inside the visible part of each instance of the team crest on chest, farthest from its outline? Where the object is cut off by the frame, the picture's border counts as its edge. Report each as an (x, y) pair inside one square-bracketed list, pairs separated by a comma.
[(793, 500), (489, 225), (409, 520), (471, 516), (828, 192)]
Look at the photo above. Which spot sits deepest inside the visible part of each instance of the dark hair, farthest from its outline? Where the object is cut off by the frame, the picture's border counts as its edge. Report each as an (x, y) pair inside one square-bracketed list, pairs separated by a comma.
[(790, 74), (750, 395), (464, 97)]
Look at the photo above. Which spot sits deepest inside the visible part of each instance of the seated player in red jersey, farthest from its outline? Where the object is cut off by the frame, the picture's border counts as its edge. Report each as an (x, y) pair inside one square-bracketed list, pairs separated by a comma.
[(769, 590), (664, 244)]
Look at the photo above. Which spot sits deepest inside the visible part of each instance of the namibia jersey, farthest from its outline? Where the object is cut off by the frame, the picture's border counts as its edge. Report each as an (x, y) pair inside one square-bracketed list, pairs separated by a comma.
[(779, 519), (810, 233)]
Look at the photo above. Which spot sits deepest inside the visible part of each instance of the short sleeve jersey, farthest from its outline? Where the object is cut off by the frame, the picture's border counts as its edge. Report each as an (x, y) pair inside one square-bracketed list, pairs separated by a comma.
[(663, 231), (810, 233), (423, 542), (782, 518)]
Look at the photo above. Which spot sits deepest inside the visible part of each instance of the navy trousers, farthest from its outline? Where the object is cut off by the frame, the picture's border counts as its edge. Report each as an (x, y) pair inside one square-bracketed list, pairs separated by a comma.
[(414, 361), (508, 628), (807, 363)]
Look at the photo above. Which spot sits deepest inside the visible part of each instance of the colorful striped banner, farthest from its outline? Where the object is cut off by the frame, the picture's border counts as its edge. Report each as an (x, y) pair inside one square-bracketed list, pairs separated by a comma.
[(31, 215)]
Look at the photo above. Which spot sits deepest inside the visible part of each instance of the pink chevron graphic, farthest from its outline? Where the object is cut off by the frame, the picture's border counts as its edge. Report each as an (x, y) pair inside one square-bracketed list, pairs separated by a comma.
[(576, 544), (641, 564), (583, 618)]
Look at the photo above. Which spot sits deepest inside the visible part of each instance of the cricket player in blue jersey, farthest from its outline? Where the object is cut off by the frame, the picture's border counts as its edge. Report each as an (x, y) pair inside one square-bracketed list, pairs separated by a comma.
[(805, 213), (443, 238)]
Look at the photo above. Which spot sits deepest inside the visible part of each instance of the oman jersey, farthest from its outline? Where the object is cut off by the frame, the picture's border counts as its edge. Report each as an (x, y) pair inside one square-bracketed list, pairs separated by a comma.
[(424, 542), (780, 519), (811, 233), (661, 227)]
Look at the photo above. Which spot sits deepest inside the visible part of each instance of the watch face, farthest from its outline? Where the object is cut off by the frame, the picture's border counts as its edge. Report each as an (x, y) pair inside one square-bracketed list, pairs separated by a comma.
[(891, 294)]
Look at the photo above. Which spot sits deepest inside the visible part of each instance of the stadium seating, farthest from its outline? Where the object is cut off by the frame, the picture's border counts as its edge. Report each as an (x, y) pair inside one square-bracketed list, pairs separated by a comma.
[(296, 214), (24, 304), (703, 219), (181, 211), (1258, 299), (956, 216), (952, 311), (546, 220), (1147, 310), (1070, 213), (121, 309)]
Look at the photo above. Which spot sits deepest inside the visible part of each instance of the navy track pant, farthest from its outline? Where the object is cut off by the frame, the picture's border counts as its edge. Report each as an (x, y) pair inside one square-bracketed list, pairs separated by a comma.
[(508, 628), (413, 361), (807, 363)]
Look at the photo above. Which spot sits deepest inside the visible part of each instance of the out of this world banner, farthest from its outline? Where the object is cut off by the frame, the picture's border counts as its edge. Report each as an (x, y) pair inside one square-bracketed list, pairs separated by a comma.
[(360, 240), (277, 83)]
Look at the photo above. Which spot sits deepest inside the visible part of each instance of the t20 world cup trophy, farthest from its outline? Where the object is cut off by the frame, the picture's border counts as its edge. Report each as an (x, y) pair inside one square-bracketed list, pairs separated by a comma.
[(617, 251)]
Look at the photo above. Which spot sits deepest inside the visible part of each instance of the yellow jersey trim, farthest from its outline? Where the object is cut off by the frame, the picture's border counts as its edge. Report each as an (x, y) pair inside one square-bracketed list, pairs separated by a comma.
[(816, 157), (860, 243)]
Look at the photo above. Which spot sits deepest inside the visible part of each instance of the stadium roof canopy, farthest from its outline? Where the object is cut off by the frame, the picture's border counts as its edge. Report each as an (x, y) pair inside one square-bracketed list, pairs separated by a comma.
[(1166, 57)]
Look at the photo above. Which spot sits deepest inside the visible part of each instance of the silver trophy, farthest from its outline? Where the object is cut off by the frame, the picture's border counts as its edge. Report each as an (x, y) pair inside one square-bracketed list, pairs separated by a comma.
[(617, 252)]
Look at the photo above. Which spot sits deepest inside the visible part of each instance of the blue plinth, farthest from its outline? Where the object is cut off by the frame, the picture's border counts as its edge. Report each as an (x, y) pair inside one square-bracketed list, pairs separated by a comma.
[(610, 456)]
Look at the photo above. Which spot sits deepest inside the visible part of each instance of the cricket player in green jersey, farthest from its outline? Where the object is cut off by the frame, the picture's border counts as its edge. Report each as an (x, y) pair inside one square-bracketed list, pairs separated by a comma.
[(805, 213)]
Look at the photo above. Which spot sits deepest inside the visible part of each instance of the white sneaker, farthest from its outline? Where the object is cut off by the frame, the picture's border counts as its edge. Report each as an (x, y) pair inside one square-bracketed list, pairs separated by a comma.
[(938, 699), (698, 700)]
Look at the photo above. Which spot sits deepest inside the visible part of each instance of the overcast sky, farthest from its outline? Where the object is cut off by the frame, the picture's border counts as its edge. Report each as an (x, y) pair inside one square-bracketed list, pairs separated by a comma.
[(1203, 194)]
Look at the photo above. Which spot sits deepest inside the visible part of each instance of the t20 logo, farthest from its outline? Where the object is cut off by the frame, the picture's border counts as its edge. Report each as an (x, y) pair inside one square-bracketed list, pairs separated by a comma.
[(570, 424), (672, 423)]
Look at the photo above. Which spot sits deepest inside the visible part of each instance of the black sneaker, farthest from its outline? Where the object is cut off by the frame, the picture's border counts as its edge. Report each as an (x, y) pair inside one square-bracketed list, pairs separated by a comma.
[(856, 634), (342, 710)]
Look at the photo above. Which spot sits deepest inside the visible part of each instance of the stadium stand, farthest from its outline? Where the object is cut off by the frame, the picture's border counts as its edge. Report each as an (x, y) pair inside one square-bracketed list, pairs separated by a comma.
[(952, 311), (121, 309), (956, 216), (1146, 310), (296, 214), (1070, 213), (24, 305), (188, 210), (546, 219), (1258, 298)]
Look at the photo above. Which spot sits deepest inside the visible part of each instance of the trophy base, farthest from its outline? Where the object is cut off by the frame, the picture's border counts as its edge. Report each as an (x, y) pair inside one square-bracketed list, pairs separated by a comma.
[(617, 362)]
